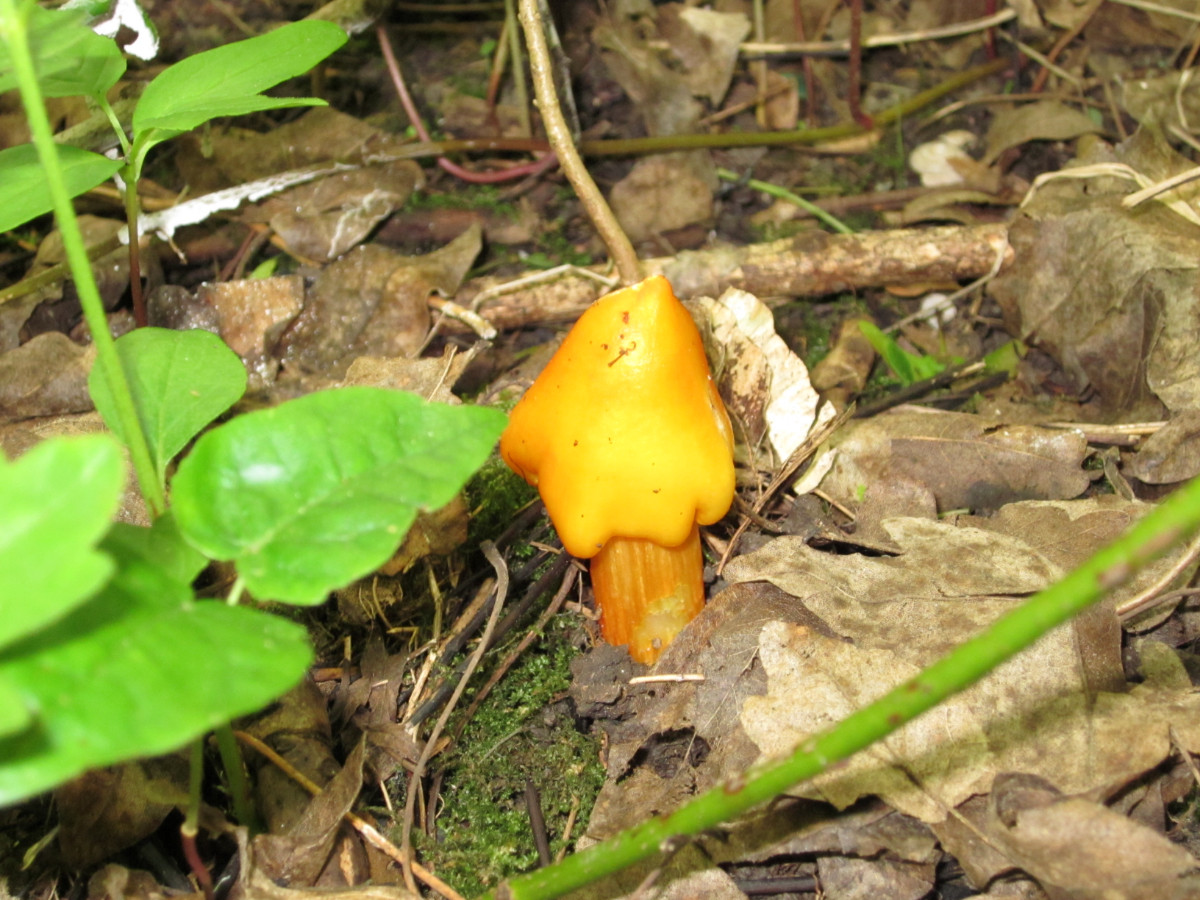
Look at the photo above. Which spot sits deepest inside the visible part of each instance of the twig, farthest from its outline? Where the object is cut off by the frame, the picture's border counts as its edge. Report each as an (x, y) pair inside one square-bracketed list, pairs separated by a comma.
[(410, 109), (368, 831), (530, 636), (854, 89), (815, 439), (1060, 45), (1160, 8), (537, 822), (831, 48), (933, 310), (598, 210), (489, 550), (1151, 595)]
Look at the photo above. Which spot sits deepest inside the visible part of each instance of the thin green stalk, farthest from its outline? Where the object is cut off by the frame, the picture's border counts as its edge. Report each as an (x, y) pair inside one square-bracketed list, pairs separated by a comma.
[(191, 817), (775, 190), (13, 31), (115, 122), (235, 772), (1171, 522)]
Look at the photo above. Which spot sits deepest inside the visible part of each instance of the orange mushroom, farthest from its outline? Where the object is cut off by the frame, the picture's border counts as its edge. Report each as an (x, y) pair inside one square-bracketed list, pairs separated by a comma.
[(626, 439)]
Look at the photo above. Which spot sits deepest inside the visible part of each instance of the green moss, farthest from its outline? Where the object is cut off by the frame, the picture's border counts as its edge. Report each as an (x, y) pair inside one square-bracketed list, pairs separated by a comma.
[(554, 249), (495, 494), (479, 196), (516, 738)]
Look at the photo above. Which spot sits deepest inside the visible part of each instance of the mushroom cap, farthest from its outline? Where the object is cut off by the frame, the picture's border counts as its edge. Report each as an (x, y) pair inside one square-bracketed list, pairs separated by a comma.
[(624, 433)]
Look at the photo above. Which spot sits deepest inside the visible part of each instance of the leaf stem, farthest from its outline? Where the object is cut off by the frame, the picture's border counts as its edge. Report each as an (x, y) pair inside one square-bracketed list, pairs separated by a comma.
[(13, 32), (1172, 521), (235, 773)]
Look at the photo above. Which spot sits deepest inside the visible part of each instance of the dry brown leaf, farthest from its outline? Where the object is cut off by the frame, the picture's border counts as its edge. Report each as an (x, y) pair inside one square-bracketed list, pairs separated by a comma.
[(764, 384), (323, 219), (706, 42), (842, 374), (964, 461), (221, 157), (1109, 292), (1046, 120), (848, 878), (47, 309), (18, 437), (1073, 846), (662, 97), (374, 302), (108, 810), (664, 192), (254, 883), (314, 848), (249, 314), (895, 616), (46, 376), (1171, 454)]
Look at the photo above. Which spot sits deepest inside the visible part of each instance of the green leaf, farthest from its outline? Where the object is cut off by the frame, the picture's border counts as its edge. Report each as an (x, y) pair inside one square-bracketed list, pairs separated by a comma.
[(909, 368), (26, 194), (160, 545), (319, 491), (1005, 358), (69, 58), (139, 670), (55, 505), (14, 714), (229, 81), (181, 381)]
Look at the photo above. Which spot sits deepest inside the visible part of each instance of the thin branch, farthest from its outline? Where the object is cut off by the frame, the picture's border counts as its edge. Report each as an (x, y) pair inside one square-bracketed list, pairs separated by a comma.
[(489, 550), (598, 210)]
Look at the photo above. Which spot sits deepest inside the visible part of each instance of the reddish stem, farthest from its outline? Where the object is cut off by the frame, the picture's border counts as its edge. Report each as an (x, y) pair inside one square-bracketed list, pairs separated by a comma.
[(810, 81), (855, 98), (989, 39), (187, 838), (410, 108)]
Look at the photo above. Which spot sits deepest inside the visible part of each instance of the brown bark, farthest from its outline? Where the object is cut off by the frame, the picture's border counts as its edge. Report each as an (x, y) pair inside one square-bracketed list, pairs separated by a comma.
[(810, 265)]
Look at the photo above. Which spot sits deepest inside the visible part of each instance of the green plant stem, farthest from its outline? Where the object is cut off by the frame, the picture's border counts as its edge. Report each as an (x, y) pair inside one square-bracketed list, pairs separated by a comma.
[(235, 772), (14, 34), (775, 190), (115, 122), (1172, 521), (191, 818)]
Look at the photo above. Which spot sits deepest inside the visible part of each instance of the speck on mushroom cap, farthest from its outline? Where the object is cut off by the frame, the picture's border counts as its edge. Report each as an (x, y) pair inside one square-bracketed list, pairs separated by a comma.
[(624, 433)]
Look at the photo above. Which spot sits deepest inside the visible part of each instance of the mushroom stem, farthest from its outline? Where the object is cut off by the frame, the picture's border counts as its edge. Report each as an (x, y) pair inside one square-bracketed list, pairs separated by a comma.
[(646, 593)]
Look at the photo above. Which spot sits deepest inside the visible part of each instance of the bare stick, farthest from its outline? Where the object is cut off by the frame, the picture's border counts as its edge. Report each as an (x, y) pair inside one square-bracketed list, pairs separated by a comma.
[(619, 247)]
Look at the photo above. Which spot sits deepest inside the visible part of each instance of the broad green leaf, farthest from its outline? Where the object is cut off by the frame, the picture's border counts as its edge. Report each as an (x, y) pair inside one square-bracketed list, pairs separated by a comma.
[(314, 493), (141, 669), (70, 59), (23, 188), (181, 381), (160, 545), (55, 505), (14, 714), (229, 81)]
